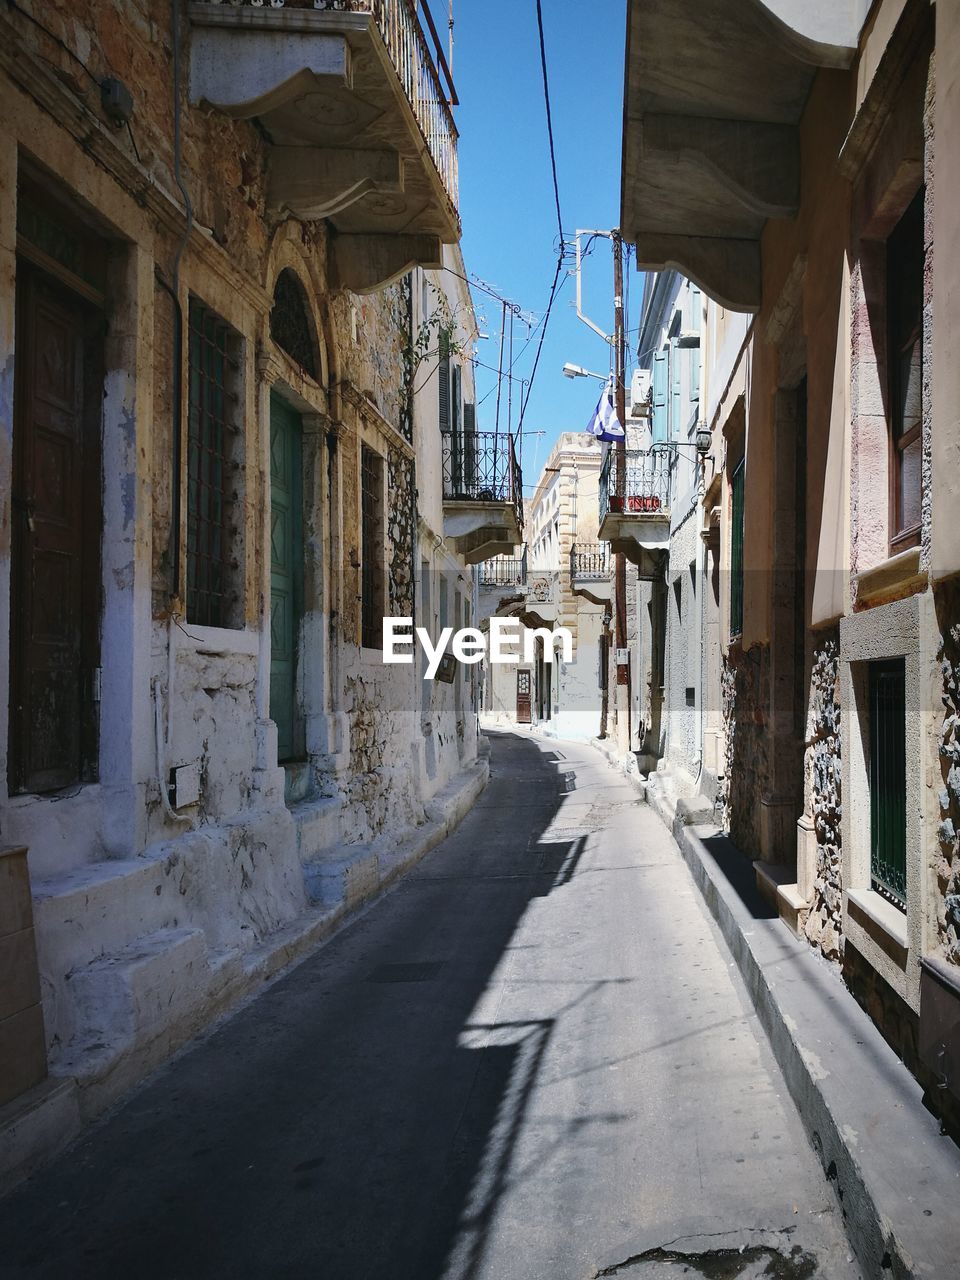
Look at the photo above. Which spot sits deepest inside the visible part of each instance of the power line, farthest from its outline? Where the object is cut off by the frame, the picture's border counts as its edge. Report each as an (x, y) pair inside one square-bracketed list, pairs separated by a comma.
[(554, 290), (546, 99)]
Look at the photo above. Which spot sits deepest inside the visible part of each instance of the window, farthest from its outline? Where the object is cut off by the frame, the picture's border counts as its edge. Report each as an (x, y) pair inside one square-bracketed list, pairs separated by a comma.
[(736, 550), (888, 780), (905, 258), (290, 325), (371, 548), (214, 523)]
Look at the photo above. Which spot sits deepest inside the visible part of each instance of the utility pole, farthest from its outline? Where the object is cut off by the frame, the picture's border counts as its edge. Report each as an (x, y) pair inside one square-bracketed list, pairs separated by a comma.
[(622, 702)]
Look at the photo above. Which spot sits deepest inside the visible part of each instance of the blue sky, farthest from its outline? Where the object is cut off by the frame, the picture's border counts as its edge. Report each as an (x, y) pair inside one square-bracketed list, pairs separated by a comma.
[(506, 194)]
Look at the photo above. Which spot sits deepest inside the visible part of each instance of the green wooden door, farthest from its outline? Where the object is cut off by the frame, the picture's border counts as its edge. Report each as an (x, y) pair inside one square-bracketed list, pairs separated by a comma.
[(286, 576)]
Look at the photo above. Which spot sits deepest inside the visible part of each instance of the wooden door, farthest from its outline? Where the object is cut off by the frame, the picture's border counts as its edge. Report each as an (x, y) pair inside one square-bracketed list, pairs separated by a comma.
[(523, 697), (55, 570), (286, 576)]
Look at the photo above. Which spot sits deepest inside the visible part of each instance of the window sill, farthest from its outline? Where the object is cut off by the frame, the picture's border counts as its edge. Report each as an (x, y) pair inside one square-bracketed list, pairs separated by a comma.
[(218, 640), (897, 576), (885, 923)]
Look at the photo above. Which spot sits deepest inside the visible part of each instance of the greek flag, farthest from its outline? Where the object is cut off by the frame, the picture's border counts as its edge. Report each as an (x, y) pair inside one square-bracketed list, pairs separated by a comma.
[(604, 424)]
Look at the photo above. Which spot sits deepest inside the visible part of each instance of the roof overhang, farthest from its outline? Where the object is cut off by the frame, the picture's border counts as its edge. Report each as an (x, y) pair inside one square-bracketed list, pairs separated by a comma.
[(713, 96)]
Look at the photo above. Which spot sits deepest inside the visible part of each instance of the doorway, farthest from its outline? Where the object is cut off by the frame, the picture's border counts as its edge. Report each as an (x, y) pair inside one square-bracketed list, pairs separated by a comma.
[(286, 577), (56, 533), (523, 697)]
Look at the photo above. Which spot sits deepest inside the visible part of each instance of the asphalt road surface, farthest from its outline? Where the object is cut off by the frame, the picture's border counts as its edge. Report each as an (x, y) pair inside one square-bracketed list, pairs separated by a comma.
[(533, 1060)]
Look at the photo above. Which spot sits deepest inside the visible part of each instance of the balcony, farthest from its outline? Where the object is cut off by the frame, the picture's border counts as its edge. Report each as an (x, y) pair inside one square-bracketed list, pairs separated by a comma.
[(589, 562), (711, 138), (591, 570), (358, 113), (635, 503), (482, 494), (508, 572)]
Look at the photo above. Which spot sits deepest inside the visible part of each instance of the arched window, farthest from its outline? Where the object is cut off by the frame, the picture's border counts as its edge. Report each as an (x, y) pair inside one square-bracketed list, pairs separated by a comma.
[(290, 324)]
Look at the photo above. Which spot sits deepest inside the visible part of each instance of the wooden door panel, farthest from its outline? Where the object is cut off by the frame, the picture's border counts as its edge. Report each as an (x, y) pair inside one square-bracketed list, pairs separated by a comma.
[(523, 697), (56, 536)]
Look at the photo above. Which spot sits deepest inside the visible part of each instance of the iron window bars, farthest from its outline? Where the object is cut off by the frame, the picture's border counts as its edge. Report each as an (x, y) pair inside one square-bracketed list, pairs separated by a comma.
[(213, 562)]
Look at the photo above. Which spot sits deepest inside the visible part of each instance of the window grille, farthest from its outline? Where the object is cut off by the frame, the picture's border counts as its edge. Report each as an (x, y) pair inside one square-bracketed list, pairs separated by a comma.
[(290, 326), (888, 780), (736, 551), (213, 517), (371, 532)]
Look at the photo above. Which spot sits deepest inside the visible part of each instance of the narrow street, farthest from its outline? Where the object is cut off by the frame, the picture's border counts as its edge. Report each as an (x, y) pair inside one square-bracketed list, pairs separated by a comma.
[(532, 1060)]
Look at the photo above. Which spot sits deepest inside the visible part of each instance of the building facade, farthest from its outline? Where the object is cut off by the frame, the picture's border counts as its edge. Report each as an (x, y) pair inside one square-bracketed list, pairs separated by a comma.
[(801, 175), (562, 580), (236, 345)]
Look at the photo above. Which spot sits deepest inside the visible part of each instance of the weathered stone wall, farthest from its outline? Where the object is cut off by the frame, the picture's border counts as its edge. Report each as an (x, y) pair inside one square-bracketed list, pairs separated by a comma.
[(823, 800), (373, 360), (224, 160), (400, 531), (948, 738), (745, 697)]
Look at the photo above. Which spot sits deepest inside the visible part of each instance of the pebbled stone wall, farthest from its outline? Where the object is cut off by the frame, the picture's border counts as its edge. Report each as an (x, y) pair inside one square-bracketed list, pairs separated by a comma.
[(745, 695), (948, 740), (400, 530), (822, 775)]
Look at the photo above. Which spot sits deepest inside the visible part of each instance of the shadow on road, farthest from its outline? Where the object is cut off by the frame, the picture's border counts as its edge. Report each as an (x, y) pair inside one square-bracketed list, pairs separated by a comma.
[(357, 1120)]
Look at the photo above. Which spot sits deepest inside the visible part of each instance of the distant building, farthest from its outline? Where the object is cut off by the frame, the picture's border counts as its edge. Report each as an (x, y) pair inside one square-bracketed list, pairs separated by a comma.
[(563, 580)]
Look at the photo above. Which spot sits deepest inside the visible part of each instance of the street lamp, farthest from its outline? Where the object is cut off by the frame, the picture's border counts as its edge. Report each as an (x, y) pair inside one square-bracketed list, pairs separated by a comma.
[(701, 442), (575, 371)]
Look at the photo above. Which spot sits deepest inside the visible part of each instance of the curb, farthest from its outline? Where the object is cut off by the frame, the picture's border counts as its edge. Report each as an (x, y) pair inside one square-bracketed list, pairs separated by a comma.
[(896, 1179), (887, 1222)]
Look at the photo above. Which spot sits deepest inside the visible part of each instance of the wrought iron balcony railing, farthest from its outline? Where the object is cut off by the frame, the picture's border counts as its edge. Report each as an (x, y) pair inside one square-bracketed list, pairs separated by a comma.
[(639, 487), (482, 466), (504, 572), (419, 71), (589, 562)]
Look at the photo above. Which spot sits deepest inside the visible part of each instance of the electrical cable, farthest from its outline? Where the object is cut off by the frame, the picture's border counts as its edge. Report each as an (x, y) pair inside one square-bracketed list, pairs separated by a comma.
[(554, 290), (546, 99)]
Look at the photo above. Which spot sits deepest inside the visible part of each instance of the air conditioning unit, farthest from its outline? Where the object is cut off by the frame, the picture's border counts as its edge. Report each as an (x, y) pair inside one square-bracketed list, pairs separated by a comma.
[(640, 385)]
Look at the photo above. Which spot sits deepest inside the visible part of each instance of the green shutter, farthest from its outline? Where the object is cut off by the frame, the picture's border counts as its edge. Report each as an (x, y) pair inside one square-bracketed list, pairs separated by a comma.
[(660, 396), (676, 391), (736, 551), (470, 447), (888, 785), (444, 383), (456, 437)]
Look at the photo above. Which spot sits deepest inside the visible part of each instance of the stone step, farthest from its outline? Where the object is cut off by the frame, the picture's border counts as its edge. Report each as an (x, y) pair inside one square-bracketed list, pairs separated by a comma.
[(770, 876), (133, 1007), (778, 884), (103, 906)]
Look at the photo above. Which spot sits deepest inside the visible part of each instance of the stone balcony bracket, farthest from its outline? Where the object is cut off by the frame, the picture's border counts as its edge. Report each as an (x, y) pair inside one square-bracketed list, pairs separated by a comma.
[(360, 132), (714, 98)]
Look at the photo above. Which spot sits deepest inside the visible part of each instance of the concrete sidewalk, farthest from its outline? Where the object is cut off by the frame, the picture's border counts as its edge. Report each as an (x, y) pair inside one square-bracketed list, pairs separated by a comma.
[(897, 1179)]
